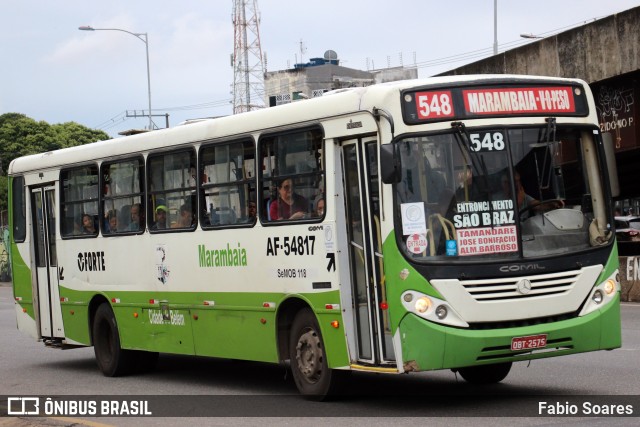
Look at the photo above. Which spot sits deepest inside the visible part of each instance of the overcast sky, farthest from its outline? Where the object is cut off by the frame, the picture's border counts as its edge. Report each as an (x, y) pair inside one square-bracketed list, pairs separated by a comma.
[(51, 71)]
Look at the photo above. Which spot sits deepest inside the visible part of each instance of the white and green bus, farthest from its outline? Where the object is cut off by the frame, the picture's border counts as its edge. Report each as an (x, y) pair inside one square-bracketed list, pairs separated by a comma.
[(459, 223)]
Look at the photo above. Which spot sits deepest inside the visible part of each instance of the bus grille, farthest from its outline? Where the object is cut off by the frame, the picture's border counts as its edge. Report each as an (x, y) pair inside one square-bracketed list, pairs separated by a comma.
[(519, 288), (522, 322)]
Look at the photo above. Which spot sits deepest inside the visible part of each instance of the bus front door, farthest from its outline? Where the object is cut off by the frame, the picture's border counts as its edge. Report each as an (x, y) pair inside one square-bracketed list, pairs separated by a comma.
[(362, 205), (47, 310)]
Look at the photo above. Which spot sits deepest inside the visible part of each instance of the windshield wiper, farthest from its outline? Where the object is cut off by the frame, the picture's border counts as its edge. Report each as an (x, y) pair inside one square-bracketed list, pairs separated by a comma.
[(543, 176), (478, 165), (463, 139)]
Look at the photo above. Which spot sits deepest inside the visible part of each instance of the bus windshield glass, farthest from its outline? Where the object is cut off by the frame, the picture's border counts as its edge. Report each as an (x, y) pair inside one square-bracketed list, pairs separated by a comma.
[(473, 194)]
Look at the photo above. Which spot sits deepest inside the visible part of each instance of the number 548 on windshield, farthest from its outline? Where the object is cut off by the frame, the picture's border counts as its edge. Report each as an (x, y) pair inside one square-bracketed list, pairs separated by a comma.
[(486, 141)]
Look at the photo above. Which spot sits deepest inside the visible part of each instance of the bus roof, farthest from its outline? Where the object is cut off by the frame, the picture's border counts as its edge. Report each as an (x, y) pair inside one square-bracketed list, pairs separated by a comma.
[(332, 104)]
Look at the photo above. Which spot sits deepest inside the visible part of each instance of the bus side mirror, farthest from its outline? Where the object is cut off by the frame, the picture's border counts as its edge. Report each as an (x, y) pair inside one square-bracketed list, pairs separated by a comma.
[(389, 164), (612, 168)]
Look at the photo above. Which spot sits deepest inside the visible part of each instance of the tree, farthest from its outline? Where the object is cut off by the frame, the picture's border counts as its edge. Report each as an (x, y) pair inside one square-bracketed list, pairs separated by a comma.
[(21, 135), (4, 186)]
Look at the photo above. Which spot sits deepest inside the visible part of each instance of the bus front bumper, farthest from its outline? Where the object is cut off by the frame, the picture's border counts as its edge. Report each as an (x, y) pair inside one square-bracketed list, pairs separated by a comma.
[(429, 346)]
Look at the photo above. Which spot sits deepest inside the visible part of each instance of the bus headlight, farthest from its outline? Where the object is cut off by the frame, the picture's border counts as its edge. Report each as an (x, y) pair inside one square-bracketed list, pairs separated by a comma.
[(602, 294), (423, 304), (597, 297), (431, 308), (609, 287)]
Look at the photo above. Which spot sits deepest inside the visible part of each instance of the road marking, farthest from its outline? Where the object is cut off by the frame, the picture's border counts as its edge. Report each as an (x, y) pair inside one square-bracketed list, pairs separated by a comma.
[(81, 422)]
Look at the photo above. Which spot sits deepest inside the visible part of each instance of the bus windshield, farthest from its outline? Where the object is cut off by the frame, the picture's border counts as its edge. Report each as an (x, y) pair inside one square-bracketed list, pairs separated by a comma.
[(500, 193)]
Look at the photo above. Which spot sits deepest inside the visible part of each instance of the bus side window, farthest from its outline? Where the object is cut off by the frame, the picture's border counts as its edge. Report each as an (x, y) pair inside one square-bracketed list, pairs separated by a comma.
[(79, 197), (19, 209), (123, 185), (172, 190), (230, 185), (293, 160)]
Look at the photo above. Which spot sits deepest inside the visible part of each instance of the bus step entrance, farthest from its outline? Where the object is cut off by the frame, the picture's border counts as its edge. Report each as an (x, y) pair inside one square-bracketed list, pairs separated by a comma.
[(53, 343)]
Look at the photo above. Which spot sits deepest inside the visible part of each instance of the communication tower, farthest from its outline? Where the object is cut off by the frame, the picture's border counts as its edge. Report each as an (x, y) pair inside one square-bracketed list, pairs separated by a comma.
[(247, 62)]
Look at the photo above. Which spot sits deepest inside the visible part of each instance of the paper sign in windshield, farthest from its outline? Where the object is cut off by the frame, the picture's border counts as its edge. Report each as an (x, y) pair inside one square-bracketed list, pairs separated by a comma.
[(413, 221), (489, 240), (475, 214)]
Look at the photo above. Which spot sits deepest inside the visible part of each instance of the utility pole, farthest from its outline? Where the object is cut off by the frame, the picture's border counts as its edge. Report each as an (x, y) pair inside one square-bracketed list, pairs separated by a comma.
[(495, 27), (144, 38), (247, 62)]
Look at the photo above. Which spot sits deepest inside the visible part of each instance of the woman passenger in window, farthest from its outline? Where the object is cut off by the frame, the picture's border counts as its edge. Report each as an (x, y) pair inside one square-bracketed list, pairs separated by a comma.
[(289, 204)]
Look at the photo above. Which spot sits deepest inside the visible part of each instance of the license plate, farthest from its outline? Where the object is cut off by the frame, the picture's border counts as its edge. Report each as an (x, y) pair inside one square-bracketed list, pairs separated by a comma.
[(530, 342)]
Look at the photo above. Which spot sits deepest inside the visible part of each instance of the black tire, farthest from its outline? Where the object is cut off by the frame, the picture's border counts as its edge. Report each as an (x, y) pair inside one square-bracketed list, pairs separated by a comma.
[(486, 374), (112, 360), (314, 379)]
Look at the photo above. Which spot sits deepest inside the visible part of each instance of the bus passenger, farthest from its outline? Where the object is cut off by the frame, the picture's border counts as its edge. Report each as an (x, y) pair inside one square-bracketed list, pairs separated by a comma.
[(523, 200), (252, 210), (289, 204), (112, 221), (185, 220), (161, 218), (87, 224), (319, 208), (136, 217)]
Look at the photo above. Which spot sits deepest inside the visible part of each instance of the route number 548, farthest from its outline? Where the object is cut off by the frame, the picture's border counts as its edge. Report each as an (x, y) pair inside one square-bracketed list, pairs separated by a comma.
[(487, 141), (433, 105)]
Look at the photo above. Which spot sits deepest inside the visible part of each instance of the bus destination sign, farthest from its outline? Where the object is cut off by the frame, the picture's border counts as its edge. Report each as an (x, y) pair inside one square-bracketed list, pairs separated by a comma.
[(519, 100), (437, 105)]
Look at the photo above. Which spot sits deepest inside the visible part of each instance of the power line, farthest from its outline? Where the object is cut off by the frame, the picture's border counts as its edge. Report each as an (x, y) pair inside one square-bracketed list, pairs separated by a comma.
[(465, 56), (201, 106), (487, 52), (109, 123)]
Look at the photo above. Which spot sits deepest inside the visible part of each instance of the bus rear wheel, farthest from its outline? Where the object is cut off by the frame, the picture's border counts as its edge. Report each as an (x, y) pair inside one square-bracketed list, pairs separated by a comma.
[(312, 376), (486, 374), (112, 360)]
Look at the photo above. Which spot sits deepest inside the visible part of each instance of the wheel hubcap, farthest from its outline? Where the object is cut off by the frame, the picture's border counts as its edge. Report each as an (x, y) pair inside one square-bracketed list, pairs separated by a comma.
[(309, 356)]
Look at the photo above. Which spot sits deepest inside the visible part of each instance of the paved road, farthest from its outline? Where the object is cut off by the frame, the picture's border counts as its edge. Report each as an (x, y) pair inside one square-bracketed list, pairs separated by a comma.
[(266, 391)]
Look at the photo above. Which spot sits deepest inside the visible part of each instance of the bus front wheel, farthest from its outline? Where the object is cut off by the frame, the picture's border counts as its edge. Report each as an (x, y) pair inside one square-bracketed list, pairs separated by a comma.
[(112, 360), (314, 379), (485, 374)]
